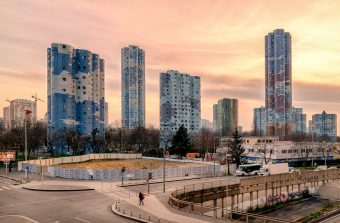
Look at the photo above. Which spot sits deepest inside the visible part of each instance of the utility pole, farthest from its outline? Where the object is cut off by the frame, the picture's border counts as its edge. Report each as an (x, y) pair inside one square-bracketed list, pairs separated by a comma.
[(27, 112), (166, 147), (25, 123)]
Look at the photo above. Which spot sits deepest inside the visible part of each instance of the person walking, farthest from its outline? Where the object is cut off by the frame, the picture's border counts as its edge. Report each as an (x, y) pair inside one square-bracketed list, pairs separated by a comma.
[(141, 198)]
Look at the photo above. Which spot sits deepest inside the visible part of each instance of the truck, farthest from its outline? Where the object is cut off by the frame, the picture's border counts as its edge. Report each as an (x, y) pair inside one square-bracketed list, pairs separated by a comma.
[(277, 168)]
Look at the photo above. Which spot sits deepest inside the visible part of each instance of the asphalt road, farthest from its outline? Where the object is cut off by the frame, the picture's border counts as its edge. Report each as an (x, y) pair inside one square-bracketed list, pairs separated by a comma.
[(20, 205)]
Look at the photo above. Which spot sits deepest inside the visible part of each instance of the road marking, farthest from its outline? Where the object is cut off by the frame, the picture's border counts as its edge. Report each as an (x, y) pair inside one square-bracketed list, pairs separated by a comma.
[(79, 219), (7, 188), (20, 216)]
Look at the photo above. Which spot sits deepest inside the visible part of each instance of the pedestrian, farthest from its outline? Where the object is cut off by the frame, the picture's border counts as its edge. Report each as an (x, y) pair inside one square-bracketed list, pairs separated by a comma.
[(141, 198)]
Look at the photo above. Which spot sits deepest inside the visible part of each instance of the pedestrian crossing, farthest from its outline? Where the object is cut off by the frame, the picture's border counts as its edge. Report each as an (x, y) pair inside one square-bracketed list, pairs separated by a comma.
[(7, 187)]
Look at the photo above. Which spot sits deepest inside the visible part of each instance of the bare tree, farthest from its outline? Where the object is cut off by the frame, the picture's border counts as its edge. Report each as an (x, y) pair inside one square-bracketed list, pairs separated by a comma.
[(266, 150), (326, 149), (304, 150), (204, 141)]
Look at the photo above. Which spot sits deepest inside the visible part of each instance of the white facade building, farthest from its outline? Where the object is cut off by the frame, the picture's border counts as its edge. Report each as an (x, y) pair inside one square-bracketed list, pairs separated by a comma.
[(324, 125), (180, 102), (14, 114)]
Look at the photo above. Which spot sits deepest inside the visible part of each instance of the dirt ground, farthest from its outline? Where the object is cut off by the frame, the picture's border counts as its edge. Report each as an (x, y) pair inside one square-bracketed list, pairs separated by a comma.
[(131, 164)]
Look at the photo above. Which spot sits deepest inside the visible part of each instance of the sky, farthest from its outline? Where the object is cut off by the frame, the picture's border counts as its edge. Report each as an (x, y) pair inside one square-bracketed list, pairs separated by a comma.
[(220, 41)]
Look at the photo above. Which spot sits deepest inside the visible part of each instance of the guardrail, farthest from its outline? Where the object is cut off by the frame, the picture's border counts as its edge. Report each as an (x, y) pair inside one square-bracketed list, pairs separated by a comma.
[(178, 199)]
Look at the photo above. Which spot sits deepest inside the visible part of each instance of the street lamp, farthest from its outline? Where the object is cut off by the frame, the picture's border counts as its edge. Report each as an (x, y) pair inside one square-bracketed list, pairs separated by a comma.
[(27, 112), (166, 147)]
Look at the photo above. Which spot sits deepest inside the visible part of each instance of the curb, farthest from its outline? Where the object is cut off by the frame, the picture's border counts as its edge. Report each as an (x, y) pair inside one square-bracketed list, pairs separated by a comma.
[(10, 178), (56, 190), (113, 209)]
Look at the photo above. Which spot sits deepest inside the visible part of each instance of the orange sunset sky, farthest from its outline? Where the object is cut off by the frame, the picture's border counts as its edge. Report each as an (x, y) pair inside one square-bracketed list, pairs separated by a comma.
[(220, 41)]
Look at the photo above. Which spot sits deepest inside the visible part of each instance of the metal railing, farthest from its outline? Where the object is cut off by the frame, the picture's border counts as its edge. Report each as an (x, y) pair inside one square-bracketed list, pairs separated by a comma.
[(179, 199)]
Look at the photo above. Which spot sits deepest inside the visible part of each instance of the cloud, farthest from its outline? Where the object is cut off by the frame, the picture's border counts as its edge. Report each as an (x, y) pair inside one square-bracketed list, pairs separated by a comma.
[(223, 42)]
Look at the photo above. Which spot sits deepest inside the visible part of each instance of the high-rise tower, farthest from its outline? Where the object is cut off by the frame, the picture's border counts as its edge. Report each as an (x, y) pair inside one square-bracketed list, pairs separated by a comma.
[(227, 116), (180, 102), (76, 93), (133, 87), (278, 68)]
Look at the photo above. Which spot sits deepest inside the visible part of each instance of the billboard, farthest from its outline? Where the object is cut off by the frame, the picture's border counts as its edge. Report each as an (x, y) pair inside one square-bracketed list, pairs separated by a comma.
[(7, 156)]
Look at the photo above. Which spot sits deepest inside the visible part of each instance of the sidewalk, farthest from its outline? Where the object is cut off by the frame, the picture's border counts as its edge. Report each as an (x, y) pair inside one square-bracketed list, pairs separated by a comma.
[(155, 206)]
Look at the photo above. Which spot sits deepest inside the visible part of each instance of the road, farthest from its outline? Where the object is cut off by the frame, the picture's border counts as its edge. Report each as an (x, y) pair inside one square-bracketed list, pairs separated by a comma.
[(20, 205)]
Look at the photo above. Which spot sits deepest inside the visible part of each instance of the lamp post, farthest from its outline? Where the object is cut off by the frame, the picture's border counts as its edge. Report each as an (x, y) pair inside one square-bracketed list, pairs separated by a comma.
[(27, 112), (165, 148), (25, 123)]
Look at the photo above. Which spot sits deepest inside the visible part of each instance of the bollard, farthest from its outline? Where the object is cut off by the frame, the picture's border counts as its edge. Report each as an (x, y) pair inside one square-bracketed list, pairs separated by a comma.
[(118, 208), (131, 214), (129, 195), (140, 216), (149, 218), (123, 211), (102, 185), (159, 220)]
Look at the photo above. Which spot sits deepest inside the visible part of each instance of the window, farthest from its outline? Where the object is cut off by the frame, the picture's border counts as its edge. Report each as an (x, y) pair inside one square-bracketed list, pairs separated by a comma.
[(64, 79)]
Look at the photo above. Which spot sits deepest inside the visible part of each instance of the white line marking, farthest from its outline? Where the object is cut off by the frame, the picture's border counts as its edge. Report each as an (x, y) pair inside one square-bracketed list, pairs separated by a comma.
[(7, 188), (79, 219), (20, 216)]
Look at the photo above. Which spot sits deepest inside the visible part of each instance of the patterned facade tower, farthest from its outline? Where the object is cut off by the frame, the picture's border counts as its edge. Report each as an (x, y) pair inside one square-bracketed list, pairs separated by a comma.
[(76, 93), (278, 68), (227, 116), (180, 103), (133, 87)]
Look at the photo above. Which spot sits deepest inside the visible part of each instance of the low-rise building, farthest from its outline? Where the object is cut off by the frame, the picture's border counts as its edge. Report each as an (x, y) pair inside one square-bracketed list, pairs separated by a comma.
[(270, 149)]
